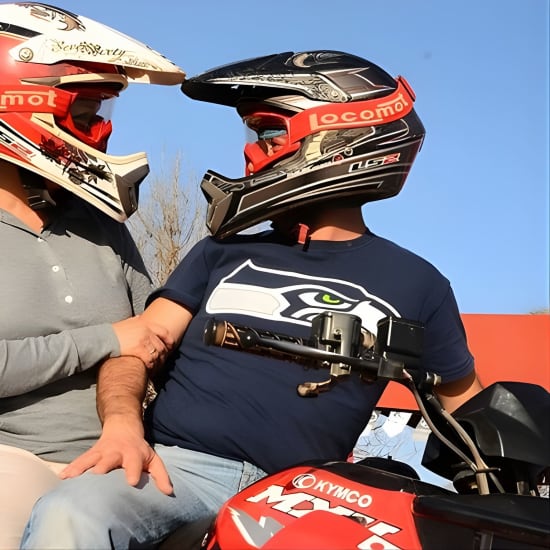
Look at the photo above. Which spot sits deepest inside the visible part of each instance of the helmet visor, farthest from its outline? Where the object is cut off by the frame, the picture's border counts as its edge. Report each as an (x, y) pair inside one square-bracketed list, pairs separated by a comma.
[(89, 115), (268, 140)]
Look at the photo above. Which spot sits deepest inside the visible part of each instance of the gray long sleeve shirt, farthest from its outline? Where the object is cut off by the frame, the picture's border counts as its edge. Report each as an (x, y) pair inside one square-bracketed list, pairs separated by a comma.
[(60, 291)]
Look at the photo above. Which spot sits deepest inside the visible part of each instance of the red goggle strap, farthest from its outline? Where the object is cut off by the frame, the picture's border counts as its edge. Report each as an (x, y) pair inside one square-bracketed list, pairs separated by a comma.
[(355, 114), (35, 99)]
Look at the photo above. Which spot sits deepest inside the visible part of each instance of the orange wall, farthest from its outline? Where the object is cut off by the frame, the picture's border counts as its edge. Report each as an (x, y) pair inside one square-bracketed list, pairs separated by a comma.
[(505, 347)]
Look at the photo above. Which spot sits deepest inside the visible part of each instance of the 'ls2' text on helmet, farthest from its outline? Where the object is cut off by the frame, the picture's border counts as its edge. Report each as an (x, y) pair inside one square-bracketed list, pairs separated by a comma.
[(328, 127), (58, 73)]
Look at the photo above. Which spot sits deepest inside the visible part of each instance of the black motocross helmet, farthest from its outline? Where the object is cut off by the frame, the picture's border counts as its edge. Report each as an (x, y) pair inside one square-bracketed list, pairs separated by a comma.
[(329, 127)]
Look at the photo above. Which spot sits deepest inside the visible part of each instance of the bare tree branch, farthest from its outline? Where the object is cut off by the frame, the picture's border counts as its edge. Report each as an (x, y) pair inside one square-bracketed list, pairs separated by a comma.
[(170, 220)]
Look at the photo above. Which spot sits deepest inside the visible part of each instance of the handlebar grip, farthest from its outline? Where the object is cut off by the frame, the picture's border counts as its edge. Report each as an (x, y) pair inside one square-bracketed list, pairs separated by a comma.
[(215, 332), (229, 335), (327, 348)]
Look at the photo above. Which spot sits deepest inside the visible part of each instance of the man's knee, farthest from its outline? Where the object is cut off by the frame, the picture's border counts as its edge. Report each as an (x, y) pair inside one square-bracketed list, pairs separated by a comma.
[(53, 522), (68, 512), (78, 500)]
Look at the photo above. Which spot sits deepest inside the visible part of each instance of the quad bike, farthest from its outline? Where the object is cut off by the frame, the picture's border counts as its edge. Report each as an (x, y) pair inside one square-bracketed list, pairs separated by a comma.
[(495, 449)]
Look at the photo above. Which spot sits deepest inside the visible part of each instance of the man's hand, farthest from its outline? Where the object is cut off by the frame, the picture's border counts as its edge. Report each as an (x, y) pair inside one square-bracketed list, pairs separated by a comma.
[(122, 446), (120, 392), (121, 387), (148, 341)]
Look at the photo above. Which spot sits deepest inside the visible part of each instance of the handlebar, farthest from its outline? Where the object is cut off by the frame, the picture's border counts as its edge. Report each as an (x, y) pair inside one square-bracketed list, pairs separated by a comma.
[(337, 342)]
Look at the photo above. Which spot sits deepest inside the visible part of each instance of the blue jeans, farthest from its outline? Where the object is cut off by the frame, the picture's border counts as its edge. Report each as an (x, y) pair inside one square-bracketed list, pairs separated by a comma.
[(102, 511)]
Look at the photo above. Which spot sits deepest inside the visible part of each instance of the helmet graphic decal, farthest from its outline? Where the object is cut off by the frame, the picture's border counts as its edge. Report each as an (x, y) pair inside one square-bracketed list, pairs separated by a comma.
[(63, 20)]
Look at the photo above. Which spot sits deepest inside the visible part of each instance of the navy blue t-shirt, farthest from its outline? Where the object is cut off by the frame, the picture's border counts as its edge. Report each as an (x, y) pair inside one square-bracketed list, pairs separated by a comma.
[(245, 407)]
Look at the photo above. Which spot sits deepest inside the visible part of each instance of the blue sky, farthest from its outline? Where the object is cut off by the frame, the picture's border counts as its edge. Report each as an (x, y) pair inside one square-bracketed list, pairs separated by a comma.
[(476, 203)]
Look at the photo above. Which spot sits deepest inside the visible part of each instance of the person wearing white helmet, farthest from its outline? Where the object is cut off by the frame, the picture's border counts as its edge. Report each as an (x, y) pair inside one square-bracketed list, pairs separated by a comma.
[(330, 132), (72, 280)]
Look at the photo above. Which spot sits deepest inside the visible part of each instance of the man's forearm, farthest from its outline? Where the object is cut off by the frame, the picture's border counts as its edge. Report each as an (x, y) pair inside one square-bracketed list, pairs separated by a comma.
[(122, 382), (121, 388)]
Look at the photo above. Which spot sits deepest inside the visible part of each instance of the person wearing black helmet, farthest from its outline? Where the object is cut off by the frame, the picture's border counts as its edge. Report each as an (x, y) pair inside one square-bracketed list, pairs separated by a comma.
[(347, 131), (331, 132)]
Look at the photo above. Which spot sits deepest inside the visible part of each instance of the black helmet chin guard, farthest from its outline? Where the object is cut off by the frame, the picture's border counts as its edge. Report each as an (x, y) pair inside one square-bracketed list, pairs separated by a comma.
[(351, 134)]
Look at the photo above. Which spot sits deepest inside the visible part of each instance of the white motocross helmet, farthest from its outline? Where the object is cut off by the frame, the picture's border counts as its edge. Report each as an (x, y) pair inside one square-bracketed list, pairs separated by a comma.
[(59, 71)]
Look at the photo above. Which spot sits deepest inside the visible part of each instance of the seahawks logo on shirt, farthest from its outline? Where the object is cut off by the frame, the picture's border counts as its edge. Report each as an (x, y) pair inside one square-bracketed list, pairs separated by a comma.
[(293, 297)]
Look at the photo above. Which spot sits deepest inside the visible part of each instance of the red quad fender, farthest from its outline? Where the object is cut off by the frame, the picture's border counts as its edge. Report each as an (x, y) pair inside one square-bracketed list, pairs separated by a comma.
[(314, 509), (320, 530)]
